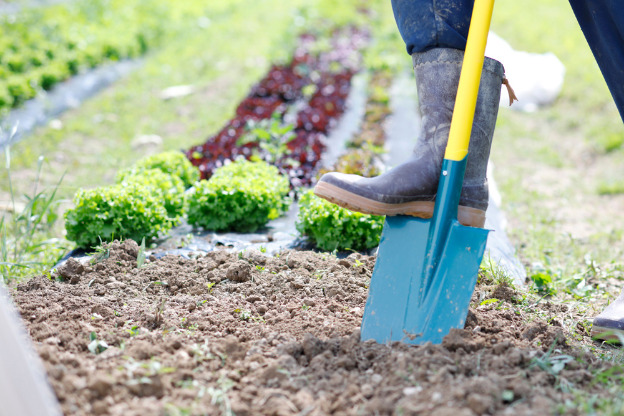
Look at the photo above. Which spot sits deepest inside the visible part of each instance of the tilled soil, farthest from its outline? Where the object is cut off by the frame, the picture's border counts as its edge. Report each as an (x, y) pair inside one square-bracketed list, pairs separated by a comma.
[(248, 334)]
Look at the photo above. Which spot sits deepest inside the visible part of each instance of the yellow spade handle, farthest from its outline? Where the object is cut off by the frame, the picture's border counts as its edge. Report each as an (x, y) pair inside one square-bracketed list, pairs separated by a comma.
[(466, 101)]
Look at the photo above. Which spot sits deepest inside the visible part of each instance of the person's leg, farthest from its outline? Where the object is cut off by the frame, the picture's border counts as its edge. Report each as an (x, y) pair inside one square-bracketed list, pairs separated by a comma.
[(427, 24), (602, 23), (410, 188)]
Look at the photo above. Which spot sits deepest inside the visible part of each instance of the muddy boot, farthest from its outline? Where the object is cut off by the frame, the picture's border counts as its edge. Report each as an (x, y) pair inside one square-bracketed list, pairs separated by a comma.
[(410, 188), (609, 325)]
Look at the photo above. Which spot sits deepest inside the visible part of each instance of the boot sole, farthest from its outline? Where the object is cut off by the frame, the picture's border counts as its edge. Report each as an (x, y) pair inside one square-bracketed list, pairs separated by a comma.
[(607, 334), (471, 217)]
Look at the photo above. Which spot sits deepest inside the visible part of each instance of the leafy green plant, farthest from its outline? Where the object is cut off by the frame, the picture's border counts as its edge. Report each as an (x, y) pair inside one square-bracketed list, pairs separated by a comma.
[(119, 211), (169, 187), (241, 196), (172, 162), (96, 346), (544, 279), (271, 135), (334, 228)]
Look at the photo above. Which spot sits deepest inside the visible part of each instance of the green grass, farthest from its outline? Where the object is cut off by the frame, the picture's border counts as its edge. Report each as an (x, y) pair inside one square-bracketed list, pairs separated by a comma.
[(26, 246), (558, 170), (581, 130)]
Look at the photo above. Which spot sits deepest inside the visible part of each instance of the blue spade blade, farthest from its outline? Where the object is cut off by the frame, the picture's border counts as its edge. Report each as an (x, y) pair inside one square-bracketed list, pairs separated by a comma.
[(426, 271), (397, 309)]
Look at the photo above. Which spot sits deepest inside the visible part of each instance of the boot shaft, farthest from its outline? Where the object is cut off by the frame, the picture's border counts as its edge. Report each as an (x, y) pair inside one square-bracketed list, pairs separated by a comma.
[(437, 74)]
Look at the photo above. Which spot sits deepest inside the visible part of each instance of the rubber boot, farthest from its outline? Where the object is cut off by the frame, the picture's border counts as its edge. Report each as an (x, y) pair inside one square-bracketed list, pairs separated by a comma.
[(609, 325), (410, 188)]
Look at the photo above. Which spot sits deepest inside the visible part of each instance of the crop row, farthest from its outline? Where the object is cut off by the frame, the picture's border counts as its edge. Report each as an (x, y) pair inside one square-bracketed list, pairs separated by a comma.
[(159, 191), (285, 118), (43, 46)]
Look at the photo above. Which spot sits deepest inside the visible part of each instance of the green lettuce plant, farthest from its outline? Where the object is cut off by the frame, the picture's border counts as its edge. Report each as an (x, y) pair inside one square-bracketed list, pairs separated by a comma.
[(172, 162), (169, 188), (127, 210), (241, 196), (334, 228)]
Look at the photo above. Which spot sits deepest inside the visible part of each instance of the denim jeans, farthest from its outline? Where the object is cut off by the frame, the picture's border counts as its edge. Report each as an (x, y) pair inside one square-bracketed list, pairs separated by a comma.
[(602, 23), (427, 24)]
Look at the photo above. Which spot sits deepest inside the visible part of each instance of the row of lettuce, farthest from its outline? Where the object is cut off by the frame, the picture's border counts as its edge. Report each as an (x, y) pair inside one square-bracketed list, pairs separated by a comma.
[(160, 191), (43, 46)]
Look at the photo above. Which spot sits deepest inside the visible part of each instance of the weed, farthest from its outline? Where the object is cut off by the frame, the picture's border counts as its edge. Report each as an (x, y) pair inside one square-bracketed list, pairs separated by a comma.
[(552, 364), (220, 397), (318, 275), (492, 273), (243, 314), (173, 410), (134, 330), (101, 252), (139, 372), (160, 310), (489, 301), (96, 346), (201, 352), (272, 136), (25, 231)]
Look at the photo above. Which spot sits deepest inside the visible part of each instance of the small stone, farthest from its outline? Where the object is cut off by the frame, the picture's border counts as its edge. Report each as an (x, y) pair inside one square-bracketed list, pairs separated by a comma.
[(345, 263), (376, 378), (367, 391), (479, 403), (410, 391), (100, 291)]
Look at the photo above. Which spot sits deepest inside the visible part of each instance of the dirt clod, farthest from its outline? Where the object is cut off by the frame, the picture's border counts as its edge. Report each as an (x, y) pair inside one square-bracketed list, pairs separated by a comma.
[(71, 270), (239, 271)]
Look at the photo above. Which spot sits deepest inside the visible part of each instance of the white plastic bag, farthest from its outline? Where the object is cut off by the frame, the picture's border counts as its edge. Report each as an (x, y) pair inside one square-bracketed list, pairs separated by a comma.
[(535, 78)]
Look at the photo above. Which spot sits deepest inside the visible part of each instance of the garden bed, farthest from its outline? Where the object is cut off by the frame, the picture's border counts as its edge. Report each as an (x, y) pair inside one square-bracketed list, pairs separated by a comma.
[(248, 334), (242, 333)]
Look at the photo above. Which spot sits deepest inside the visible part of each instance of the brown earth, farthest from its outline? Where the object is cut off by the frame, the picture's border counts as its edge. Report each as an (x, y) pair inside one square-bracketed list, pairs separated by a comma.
[(248, 334)]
